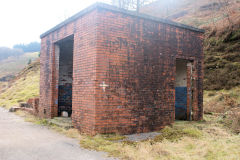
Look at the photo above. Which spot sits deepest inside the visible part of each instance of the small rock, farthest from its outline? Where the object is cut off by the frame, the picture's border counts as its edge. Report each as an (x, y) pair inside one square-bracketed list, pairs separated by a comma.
[(14, 109), (64, 114)]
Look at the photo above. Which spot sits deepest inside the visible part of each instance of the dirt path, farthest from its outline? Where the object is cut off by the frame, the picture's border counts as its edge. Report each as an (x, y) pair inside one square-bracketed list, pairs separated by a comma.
[(21, 140)]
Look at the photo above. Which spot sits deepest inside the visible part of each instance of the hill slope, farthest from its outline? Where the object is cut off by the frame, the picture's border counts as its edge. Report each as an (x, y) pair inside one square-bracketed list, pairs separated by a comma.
[(23, 87), (222, 59), (14, 64), (201, 14), (221, 20)]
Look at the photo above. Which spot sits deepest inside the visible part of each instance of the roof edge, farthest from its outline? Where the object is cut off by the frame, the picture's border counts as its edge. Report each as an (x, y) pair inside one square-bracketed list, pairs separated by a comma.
[(116, 9)]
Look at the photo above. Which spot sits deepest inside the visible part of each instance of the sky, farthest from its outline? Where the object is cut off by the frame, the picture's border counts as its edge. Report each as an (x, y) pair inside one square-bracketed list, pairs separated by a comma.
[(23, 21)]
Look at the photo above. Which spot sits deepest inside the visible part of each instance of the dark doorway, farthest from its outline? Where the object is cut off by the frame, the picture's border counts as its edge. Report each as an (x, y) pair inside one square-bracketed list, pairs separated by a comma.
[(65, 76), (181, 90)]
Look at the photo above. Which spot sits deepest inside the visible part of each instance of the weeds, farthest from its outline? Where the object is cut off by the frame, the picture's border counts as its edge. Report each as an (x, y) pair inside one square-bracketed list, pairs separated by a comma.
[(99, 143), (177, 133), (221, 63), (184, 140), (27, 86)]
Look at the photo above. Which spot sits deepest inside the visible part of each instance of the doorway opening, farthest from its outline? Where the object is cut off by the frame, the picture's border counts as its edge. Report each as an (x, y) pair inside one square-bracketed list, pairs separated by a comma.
[(65, 76), (182, 86)]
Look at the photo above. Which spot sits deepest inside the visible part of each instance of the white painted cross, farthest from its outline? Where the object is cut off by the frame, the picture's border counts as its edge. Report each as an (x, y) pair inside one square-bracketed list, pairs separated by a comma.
[(104, 86)]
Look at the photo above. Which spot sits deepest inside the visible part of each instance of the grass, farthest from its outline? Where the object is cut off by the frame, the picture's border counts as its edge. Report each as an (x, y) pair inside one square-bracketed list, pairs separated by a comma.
[(207, 139), (23, 88), (177, 132), (213, 138), (184, 140), (226, 104)]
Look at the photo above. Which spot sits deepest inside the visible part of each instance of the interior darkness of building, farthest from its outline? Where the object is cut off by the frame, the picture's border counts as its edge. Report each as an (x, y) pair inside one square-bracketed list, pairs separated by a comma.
[(65, 75), (181, 90)]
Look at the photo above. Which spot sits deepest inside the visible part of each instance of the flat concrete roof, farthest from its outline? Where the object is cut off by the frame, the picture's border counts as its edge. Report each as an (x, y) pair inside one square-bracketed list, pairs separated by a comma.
[(123, 11)]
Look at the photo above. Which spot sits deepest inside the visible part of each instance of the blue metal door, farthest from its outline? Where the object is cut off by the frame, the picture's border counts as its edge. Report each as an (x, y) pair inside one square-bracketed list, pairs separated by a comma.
[(181, 103)]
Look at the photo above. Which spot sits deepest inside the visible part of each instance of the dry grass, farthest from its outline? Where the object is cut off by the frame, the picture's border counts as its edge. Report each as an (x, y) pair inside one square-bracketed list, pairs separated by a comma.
[(221, 101), (208, 139), (226, 103), (184, 140), (25, 86)]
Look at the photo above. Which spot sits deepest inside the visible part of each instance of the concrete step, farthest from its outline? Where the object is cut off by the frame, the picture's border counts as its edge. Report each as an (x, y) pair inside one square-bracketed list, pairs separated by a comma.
[(63, 122)]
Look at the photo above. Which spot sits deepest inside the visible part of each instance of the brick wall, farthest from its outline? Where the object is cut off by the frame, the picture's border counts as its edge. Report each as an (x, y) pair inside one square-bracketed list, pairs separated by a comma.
[(135, 58), (84, 53)]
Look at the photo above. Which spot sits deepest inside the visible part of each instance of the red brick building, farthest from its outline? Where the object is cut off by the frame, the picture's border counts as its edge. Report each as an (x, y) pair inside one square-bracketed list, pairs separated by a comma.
[(117, 71)]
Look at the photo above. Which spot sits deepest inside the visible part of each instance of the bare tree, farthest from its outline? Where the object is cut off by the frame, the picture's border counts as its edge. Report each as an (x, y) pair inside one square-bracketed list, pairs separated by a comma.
[(226, 11), (131, 4)]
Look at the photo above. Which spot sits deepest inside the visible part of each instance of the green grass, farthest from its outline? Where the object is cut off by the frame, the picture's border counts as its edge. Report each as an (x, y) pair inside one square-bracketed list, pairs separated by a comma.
[(176, 133), (23, 88), (100, 143), (207, 139)]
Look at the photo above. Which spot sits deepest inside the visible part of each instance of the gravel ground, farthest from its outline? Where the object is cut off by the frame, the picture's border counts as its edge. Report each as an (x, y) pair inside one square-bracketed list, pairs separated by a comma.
[(20, 140)]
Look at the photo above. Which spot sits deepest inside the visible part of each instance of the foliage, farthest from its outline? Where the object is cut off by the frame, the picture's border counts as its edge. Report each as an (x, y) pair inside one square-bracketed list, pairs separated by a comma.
[(31, 47), (13, 65), (8, 52), (222, 59), (18, 50)]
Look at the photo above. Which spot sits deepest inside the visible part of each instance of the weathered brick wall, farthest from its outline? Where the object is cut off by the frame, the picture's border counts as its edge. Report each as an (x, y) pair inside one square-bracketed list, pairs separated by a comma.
[(136, 58), (84, 53), (84, 73)]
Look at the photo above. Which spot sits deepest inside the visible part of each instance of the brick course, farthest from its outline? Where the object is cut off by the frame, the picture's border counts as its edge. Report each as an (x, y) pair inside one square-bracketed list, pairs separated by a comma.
[(135, 56)]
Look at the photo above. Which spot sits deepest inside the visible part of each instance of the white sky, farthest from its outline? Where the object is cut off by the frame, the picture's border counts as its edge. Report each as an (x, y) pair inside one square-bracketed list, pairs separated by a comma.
[(22, 21)]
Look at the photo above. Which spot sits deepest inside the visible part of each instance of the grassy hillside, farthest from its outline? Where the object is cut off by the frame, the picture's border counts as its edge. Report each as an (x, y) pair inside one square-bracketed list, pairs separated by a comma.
[(13, 65), (202, 14), (23, 87), (222, 59), (221, 20)]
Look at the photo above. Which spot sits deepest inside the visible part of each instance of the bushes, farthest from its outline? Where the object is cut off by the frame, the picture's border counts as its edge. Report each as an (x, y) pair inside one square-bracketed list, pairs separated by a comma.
[(222, 74), (226, 104), (231, 120), (222, 60)]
